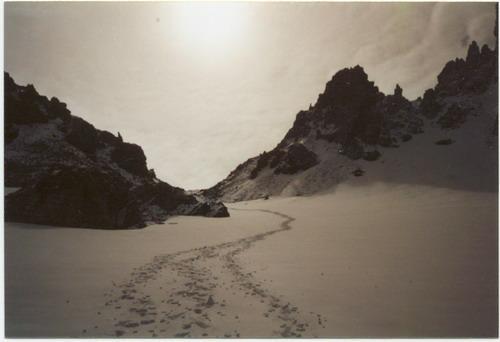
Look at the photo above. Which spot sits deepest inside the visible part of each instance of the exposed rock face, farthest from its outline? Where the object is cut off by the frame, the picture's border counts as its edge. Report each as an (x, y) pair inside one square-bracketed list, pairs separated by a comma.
[(398, 92), (82, 135), (348, 104), (75, 175), (131, 158), (453, 118), (72, 197), (352, 121), (290, 160), (350, 89), (352, 112), (371, 155), (296, 159), (472, 75), (209, 209), (430, 106)]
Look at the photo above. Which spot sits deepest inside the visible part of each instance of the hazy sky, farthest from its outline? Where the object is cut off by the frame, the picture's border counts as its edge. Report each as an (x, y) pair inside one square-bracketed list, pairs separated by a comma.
[(203, 87)]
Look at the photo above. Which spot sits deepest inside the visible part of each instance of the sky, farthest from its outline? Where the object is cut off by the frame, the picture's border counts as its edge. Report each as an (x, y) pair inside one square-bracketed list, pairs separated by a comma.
[(204, 86)]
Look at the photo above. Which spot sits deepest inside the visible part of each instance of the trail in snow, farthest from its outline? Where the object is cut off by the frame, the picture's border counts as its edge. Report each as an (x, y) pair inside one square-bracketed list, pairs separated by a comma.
[(205, 292)]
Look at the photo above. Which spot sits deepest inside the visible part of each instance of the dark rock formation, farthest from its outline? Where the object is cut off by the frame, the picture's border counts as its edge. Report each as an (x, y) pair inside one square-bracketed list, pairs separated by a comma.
[(406, 137), (209, 209), (349, 88), (75, 175), (472, 75), (298, 158), (285, 160), (25, 103), (163, 195), (262, 162), (300, 126), (58, 109), (398, 92), (354, 112), (453, 118), (371, 155), (82, 135), (354, 150), (444, 142), (429, 106), (349, 103), (358, 172), (131, 158), (76, 197), (460, 77)]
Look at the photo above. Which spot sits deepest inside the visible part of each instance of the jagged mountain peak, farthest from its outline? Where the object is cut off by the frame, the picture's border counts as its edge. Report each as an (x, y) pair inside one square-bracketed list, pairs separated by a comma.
[(353, 123), (472, 75), (348, 87)]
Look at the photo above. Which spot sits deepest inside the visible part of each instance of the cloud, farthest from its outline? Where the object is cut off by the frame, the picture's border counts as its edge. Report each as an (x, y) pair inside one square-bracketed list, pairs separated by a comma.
[(413, 46)]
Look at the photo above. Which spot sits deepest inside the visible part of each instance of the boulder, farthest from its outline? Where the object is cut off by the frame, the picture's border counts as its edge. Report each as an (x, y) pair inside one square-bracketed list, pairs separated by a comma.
[(406, 137), (358, 172), (444, 142), (163, 195), (209, 209), (297, 158), (371, 155)]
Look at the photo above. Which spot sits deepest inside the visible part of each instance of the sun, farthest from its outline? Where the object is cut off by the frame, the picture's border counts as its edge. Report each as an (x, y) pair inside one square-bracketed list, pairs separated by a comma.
[(210, 25)]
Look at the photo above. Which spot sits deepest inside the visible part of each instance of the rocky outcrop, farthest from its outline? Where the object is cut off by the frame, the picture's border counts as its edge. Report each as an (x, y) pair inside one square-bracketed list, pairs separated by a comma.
[(130, 157), (76, 197), (208, 209), (472, 75), (296, 158), (75, 175), (453, 118), (82, 135), (349, 104), (349, 89), (430, 106), (290, 160), (353, 112)]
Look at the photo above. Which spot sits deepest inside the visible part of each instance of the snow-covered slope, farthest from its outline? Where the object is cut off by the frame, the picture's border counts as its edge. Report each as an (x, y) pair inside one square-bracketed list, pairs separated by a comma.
[(355, 133)]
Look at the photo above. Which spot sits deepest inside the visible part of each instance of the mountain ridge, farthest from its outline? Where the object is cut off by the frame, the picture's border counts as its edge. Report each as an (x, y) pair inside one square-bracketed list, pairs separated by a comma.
[(72, 174), (357, 123)]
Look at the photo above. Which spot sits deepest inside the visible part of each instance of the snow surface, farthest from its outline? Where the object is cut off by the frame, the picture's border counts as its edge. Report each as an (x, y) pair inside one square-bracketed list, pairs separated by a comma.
[(382, 260)]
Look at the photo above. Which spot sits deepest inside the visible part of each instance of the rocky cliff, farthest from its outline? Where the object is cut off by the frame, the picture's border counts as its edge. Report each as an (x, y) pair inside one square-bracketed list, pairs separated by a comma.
[(72, 174)]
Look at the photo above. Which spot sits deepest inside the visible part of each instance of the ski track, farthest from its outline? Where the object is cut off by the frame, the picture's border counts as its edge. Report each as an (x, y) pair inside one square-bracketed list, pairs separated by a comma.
[(189, 304)]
